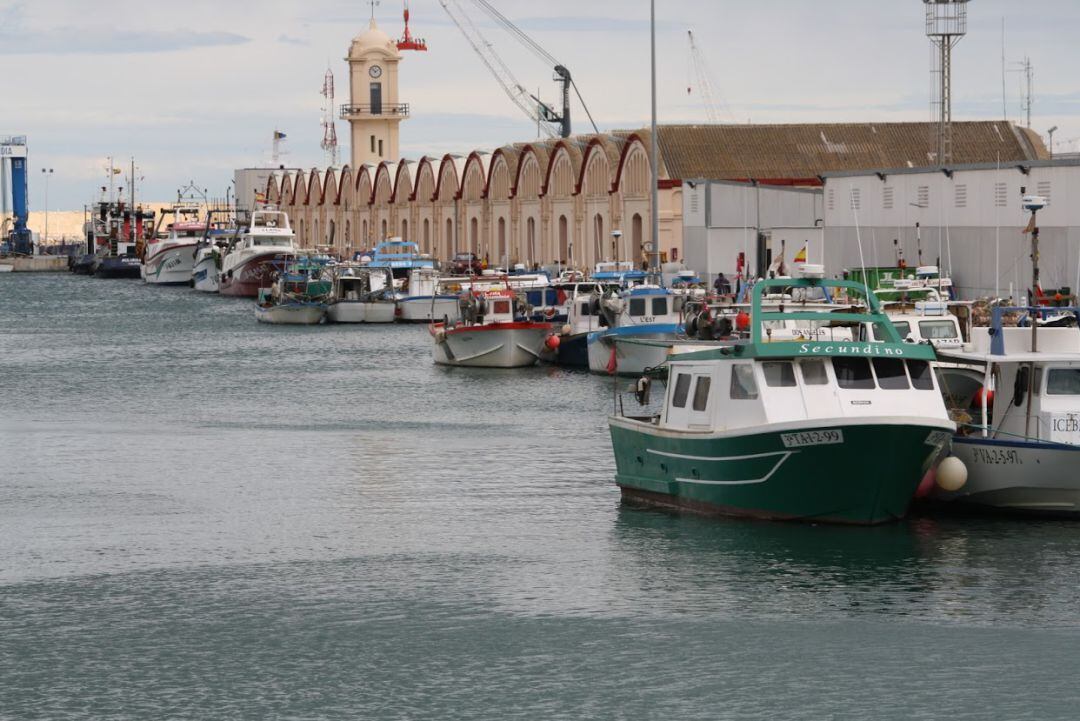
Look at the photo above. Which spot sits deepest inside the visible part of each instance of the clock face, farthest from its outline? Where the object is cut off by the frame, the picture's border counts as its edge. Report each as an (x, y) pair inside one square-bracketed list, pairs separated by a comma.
[(375, 71)]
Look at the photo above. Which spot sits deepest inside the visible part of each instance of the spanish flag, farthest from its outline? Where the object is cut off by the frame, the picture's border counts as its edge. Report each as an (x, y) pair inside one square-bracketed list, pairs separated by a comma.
[(800, 257)]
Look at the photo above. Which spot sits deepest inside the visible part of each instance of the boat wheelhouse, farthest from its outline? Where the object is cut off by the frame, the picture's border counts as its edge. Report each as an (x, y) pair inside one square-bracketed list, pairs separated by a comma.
[(427, 295), (254, 257), (642, 313), (297, 296), (817, 430), (361, 294), (400, 256)]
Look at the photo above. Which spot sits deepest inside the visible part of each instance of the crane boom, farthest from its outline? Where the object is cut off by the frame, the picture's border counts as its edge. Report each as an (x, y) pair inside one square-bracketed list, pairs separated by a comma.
[(701, 71), (544, 115)]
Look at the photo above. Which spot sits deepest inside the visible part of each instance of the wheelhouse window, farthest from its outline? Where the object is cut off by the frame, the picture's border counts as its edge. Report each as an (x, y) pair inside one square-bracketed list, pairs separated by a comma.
[(743, 385), (903, 329), (779, 374), (922, 377), (701, 393), (659, 306), (938, 329), (682, 390), (853, 373), (813, 372), (890, 374), (637, 307), (1063, 382)]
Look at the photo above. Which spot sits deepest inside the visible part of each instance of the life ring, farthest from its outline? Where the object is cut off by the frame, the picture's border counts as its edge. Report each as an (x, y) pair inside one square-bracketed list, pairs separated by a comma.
[(549, 313)]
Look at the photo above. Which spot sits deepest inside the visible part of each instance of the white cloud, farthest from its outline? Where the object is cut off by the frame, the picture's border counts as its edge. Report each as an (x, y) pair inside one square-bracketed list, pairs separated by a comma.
[(195, 103)]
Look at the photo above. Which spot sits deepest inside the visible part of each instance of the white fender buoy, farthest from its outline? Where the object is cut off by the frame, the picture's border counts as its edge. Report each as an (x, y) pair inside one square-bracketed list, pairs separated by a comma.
[(951, 474)]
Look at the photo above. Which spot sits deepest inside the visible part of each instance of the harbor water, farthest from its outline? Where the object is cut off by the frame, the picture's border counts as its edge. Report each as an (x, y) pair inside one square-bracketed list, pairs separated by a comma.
[(205, 517)]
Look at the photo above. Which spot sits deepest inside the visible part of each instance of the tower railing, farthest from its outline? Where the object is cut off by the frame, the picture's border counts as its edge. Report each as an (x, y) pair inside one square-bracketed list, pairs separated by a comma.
[(400, 110)]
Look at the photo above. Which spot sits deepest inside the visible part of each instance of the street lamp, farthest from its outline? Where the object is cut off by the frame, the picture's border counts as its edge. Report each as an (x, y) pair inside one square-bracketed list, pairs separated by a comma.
[(1051, 132), (46, 173), (616, 235)]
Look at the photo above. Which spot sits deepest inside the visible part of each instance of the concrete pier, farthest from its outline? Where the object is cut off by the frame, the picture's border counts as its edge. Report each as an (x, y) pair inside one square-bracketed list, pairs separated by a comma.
[(35, 264)]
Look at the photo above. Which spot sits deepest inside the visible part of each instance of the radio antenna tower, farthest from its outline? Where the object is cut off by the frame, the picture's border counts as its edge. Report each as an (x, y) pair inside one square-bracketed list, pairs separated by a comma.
[(329, 141), (946, 23)]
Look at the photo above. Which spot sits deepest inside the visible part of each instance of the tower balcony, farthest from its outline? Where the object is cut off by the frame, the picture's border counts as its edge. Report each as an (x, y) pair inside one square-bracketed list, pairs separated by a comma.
[(393, 110)]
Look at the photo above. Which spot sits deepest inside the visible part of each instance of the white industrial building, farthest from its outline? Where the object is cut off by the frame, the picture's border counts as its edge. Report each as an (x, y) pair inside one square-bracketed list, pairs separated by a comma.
[(723, 219), (970, 220)]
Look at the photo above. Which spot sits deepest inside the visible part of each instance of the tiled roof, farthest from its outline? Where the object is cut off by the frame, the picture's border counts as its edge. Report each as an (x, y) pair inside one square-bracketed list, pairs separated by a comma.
[(804, 151)]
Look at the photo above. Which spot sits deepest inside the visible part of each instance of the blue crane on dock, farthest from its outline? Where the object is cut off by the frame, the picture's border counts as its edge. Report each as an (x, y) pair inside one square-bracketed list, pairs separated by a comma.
[(14, 234)]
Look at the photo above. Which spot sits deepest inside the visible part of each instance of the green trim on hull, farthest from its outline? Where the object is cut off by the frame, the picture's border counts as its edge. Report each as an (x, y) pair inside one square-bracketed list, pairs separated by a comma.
[(868, 477)]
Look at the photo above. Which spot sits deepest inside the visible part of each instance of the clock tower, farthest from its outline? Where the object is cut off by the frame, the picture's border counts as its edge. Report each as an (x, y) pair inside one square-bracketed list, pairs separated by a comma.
[(373, 111)]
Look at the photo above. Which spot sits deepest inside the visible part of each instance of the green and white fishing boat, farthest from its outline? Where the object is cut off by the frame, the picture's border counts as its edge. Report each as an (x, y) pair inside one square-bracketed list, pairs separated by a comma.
[(817, 430)]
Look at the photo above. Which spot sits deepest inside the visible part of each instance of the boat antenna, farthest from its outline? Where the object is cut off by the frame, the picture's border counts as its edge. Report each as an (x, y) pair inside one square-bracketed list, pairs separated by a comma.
[(858, 240)]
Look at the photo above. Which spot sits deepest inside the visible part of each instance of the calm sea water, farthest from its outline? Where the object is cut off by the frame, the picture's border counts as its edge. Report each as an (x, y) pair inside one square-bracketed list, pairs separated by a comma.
[(203, 517)]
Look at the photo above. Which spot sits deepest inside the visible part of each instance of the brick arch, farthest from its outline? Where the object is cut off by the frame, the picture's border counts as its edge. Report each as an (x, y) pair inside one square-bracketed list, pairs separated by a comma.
[(347, 189), (363, 186), (383, 185), (314, 188), (329, 189), (424, 185), (633, 167), (538, 154), (572, 151), (502, 173), (600, 149), (404, 175), (448, 173), (474, 180)]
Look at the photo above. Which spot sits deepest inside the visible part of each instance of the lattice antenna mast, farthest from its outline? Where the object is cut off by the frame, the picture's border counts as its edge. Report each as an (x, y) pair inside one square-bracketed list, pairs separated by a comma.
[(329, 141), (946, 24), (704, 86)]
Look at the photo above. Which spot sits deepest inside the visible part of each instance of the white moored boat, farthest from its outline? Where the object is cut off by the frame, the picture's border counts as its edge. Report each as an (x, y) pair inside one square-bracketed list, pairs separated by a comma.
[(169, 260), (1021, 438), (427, 297), (254, 257), (489, 335), (361, 295)]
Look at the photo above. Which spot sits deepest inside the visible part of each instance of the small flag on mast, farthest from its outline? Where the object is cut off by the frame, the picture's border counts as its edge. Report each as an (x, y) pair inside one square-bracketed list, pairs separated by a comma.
[(278, 135)]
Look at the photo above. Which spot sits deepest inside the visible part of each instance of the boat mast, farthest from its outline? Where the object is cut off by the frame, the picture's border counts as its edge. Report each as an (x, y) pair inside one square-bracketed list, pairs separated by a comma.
[(1034, 316)]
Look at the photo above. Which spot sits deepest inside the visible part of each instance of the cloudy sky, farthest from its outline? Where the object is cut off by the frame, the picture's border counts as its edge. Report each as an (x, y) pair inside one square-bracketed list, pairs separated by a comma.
[(193, 89)]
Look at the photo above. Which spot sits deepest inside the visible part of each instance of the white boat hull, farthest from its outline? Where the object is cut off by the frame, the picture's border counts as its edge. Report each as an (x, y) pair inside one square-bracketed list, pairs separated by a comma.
[(630, 358), (420, 309), (204, 276), (509, 345), (1017, 476), (171, 266), (291, 314), (354, 311)]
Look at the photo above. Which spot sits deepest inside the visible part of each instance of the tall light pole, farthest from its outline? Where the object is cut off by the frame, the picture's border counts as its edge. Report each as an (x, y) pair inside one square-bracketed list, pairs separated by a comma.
[(1051, 132), (655, 159), (46, 173)]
